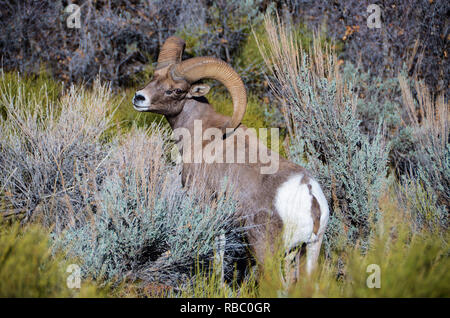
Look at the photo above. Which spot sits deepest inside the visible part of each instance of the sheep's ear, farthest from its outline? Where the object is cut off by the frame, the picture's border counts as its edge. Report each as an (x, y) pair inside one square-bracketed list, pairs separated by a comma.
[(198, 90)]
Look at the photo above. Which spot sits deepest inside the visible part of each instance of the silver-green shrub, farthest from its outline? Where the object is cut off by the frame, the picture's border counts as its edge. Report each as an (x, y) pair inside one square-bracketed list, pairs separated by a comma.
[(47, 149), (379, 99), (141, 224), (350, 167), (427, 181), (161, 239), (429, 186)]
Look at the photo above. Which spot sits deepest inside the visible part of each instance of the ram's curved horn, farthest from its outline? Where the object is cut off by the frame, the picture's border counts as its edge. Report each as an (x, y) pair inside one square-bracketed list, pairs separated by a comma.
[(197, 68), (170, 52)]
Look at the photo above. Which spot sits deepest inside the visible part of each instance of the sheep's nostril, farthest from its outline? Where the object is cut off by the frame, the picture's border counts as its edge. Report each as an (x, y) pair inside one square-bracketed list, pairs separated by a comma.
[(139, 98)]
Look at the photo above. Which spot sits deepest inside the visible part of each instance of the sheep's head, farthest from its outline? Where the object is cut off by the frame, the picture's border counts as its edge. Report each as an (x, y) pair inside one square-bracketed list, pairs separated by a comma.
[(174, 81)]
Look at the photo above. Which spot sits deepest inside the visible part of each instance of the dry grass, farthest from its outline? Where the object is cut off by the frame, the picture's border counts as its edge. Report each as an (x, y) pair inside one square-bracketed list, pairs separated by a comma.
[(287, 59), (48, 145), (430, 115)]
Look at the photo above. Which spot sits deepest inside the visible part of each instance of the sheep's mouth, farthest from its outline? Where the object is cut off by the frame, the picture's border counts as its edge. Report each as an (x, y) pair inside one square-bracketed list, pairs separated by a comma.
[(140, 108)]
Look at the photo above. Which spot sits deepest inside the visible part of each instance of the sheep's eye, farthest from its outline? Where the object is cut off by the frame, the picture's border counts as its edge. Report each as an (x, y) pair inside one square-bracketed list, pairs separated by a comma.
[(178, 91), (168, 92)]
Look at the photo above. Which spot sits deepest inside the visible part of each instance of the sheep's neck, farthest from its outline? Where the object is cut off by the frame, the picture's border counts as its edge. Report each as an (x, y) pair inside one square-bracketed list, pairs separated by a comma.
[(194, 110)]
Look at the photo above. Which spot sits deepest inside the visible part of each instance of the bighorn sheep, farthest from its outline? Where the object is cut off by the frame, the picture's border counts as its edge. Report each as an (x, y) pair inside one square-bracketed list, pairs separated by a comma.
[(288, 203)]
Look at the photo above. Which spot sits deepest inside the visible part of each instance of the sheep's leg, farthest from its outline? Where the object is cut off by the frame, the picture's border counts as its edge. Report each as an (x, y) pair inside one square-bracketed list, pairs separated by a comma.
[(291, 268), (219, 256), (292, 261), (312, 254)]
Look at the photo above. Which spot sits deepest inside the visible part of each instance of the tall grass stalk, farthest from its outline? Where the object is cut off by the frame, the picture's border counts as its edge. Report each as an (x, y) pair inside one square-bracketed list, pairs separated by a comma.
[(429, 117)]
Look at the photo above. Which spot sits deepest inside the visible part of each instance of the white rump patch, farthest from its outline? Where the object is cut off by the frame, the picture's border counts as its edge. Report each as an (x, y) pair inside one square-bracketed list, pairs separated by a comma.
[(293, 202)]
